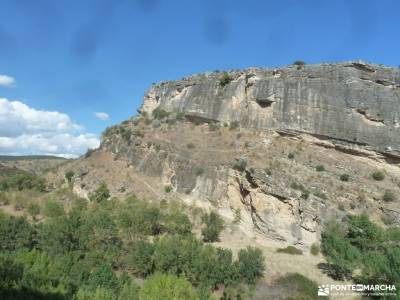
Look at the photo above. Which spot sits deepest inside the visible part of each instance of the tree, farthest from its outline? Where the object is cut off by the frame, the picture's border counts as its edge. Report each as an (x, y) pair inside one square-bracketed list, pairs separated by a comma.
[(177, 223), (213, 227), (251, 264), (140, 257), (167, 287), (104, 277), (16, 234), (69, 175)]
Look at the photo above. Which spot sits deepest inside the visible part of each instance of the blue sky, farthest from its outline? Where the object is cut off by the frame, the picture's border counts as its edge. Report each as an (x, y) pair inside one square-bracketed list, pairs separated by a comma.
[(81, 57)]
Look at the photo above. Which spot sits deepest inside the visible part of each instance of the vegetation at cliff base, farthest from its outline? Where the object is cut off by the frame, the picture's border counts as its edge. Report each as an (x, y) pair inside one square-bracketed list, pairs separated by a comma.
[(118, 249), (363, 251)]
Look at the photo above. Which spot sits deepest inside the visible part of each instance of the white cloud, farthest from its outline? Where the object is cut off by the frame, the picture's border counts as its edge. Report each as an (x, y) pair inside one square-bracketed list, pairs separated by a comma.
[(102, 116), (25, 130), (7, 81)]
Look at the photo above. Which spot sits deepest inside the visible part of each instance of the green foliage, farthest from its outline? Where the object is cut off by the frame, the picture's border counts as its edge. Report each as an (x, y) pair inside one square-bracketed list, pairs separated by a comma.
[(290, 250), (344, 177), (198, 171), (104, 277), (238, 216), (225, 79), (240, 164), (213, 227), (251, 264), (101, 194), (23, 181), (298, 286), (53, 209), (320, 194), (140, 257), (314, 250), (16, 233), (69, 175), (388, 196), (177, 223), (168, 188), (378, 175), (159, 113), (291, 156), (320, 168), (299, 64), (33, 209), (234, 125), (167, 287), (298, 186)]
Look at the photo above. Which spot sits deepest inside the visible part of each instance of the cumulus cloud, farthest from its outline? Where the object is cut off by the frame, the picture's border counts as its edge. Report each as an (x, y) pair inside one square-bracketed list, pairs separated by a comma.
[(102, 115), (7, 81), (25, 130)]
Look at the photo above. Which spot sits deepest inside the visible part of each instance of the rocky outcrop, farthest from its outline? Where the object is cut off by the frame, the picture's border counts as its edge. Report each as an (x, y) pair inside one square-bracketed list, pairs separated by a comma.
[(350, 102)]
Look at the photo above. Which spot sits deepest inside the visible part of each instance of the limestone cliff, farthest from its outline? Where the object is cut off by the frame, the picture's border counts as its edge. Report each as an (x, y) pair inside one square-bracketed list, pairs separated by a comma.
[(305, 144), (352, 102)]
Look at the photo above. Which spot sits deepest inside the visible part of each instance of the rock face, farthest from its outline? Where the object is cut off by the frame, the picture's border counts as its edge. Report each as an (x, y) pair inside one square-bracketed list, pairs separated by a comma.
[(348, 103), (289, 121)]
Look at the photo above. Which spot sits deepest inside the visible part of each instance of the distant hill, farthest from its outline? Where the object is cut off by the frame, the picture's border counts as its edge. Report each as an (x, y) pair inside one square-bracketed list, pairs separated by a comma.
[(29, 157)]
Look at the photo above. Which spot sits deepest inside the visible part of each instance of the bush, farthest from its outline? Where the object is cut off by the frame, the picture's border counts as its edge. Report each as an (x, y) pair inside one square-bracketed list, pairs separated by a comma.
[(344, 177), (320, 168), (140, 258), (291, 156), (69, 175), (389, 196), (297, 186), (234, 125), (314, 250), (251, 264), (213, 227), (298, 286), (167, 287), (177, 223), (159, 113), (101, 194), (198, 171), (168, 188), (213, 126), (33, 210), (240, 164), (299, 64), (225, 79), (290, 250), (378, 175), (16, 234), (190, 145), (23, 181), (53, 209), (321, 195)]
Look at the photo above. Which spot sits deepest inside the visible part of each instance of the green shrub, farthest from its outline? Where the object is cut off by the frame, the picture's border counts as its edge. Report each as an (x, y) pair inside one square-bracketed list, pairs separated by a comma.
[(320, 194), (168, 188), (234, 125), (251, 264), (225, 79), (238, 216), (198, 171), (23, 181), (69, 175), (167, 287), (314, 250), (290, 250), (140, 258), (33, 209), (388, 196), (291, 156), (344, 177), (191, 145), (297, 186), (16, 234), (159, 113), (240, 164), (378, 175), (213, 227), (53, 209), (100, 195), (299, 64), (320, 168), (298, 287)]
